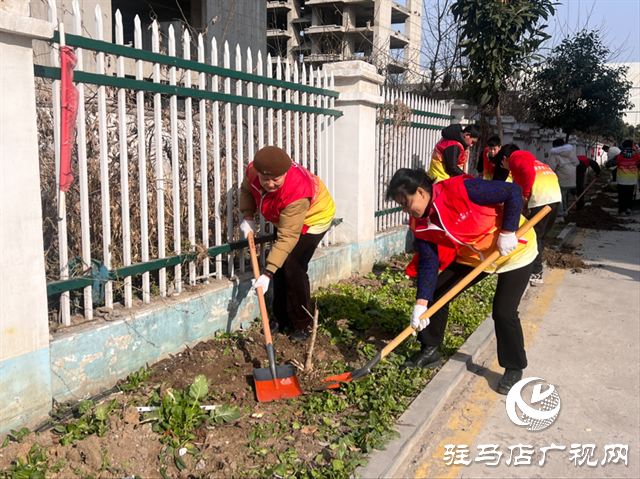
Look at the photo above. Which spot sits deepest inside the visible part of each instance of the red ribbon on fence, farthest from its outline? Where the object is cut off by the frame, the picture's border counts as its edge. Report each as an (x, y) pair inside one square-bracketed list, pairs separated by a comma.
[(69, 111)]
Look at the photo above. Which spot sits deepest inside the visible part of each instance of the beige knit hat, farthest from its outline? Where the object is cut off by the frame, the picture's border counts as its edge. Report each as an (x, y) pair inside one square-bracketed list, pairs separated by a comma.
[(272, 161)]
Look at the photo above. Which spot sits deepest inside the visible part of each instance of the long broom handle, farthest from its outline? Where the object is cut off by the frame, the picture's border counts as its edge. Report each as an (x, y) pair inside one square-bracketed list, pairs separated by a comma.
[(582, 194), (256, 275), (462, 283)]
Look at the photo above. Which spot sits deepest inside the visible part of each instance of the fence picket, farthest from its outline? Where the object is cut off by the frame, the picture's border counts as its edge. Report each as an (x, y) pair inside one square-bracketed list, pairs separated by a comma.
[(228, 159), (296, 117), (279, 99), (104, 165), (175, 164), (250, 112), (83, 179), (270, 98), (188, 115), (157, 125), (304, 118), (320, 128), (215, 109), (312, 129), (204, 165), (240, 146), (332, 136), (63, 260), (124, 166), (287, 77)]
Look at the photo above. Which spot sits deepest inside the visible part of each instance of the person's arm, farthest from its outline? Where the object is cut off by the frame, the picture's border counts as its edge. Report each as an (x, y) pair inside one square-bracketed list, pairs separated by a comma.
[(289, 229), (524, 174), (488, 193), (596, 167), (247, 200), (451, 155), (428, 264)]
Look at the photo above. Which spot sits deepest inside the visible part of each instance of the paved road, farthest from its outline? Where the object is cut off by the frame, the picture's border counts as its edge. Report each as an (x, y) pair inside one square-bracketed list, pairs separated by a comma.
[(583, 336)]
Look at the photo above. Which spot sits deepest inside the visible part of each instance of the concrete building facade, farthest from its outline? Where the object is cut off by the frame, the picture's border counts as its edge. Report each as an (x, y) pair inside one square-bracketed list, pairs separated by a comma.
[(381, 32)]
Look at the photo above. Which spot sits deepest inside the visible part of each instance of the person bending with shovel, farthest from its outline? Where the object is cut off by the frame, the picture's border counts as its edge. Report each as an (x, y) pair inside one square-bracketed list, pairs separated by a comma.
[(297, 202), (474, 217)]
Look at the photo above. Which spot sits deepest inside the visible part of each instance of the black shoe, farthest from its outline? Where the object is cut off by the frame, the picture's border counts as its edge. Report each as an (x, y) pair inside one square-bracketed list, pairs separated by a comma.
[(428, 357), (300, 334), (274, 327), (508, 379)]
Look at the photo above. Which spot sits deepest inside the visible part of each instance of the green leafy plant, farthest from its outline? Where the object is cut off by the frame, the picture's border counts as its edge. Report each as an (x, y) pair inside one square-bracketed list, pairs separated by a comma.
[(136, 379), (225, 413), (92, 420), (21, 434), (36, 465)]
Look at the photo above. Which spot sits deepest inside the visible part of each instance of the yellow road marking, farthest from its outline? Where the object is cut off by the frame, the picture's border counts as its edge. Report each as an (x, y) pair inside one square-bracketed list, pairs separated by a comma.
[(465, 425)]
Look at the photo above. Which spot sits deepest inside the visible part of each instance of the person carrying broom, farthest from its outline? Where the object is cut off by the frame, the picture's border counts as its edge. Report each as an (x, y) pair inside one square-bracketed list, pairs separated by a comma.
[(474, 217), (299, 205)]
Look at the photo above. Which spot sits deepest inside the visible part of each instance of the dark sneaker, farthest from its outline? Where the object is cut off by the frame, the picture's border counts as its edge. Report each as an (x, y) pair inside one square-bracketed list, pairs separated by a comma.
[(536, 278), (428, 357), (274, 327), (508, 379), (300, 334)]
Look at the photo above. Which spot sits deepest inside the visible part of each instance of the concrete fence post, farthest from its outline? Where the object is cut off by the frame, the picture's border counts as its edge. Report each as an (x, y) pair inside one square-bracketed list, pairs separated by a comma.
[(25, 382), (355, 152)]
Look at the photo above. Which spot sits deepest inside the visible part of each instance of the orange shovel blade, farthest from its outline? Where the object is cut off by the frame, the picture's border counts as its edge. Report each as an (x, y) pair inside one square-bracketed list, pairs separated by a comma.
[(285, 386), (333, 382)]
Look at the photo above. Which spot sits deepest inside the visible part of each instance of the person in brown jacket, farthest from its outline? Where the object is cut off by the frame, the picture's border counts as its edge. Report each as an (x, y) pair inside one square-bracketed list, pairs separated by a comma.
[(299, 205)]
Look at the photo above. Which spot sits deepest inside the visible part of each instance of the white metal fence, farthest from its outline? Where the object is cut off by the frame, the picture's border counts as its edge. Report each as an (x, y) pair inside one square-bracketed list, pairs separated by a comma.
[(160, 161), (404, 139)]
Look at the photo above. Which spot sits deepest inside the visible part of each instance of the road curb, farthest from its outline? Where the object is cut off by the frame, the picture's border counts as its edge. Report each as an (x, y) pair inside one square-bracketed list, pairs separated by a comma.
[(566, 232), (415, 420)]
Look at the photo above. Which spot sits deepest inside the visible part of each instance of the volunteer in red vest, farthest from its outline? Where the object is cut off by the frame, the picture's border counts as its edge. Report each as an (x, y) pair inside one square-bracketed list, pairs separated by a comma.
[(492, 168), (581, 175), (627, 162), (540, 187), (474, 217), (299, 205), (452, 151)]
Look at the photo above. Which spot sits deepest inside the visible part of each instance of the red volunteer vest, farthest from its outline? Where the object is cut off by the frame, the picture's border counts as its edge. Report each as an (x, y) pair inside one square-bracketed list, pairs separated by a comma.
[(584, 160), (489, 166), (444, 144), (463, 222), (298, 184)]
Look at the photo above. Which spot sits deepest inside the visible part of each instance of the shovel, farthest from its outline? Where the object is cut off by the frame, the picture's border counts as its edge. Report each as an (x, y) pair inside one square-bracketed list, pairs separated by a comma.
[(274, 382), (332, 382)]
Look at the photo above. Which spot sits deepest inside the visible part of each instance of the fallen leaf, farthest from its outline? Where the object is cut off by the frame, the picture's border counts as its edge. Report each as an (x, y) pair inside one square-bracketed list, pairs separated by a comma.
[(308, 429)]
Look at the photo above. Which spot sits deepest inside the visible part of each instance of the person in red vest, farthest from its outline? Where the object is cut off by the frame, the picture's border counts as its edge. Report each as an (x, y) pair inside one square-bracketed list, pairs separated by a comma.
[(452, 151), (473, 217), (297, 202), (540, 187), (581, 175), (628, 162), (490, 167)]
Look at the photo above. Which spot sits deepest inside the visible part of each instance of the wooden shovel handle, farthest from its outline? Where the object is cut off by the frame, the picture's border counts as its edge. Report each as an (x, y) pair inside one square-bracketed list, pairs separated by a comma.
[(256, 275), (462, 283), (582, 194)]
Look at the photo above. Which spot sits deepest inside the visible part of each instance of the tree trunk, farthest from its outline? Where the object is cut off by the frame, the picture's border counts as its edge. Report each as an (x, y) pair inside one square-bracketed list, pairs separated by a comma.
[(566, 140), (499, 123)]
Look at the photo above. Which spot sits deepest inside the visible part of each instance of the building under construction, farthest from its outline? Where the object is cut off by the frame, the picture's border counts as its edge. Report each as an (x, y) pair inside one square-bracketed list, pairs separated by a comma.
[(381, 32)]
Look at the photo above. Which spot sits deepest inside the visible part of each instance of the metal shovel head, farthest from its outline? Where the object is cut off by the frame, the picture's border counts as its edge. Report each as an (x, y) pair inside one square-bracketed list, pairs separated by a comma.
[(285, 386)]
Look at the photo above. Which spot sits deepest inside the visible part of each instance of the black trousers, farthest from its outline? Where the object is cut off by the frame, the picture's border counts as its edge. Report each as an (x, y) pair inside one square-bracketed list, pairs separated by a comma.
[(509, 337), (625, 197), (291, 290), (581, 174), (542, 229)]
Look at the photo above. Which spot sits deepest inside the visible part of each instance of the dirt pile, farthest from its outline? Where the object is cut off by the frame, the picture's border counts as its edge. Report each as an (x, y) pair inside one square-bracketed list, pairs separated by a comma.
[(564, 259), (594, 217)]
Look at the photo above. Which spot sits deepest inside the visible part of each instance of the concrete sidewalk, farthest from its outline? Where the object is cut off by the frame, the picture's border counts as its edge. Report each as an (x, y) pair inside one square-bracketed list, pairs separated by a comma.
[(583, 336)]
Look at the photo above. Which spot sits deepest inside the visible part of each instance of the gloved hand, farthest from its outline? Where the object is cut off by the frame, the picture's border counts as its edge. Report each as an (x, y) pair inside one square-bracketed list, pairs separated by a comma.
[(261, 282), (507, 242), (246, 226), (416, 322)]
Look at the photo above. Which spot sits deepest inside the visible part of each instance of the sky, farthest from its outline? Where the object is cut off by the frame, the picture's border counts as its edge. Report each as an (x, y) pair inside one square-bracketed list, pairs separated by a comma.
[(618, 21)]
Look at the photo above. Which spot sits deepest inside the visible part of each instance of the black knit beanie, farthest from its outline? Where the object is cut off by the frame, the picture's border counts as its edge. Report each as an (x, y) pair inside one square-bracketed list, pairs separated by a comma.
[(272, 161)]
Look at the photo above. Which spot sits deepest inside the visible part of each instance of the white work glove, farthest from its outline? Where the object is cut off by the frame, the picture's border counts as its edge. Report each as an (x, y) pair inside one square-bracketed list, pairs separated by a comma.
[(261, 282), (246, 226), (416, 322), (507, 242)]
